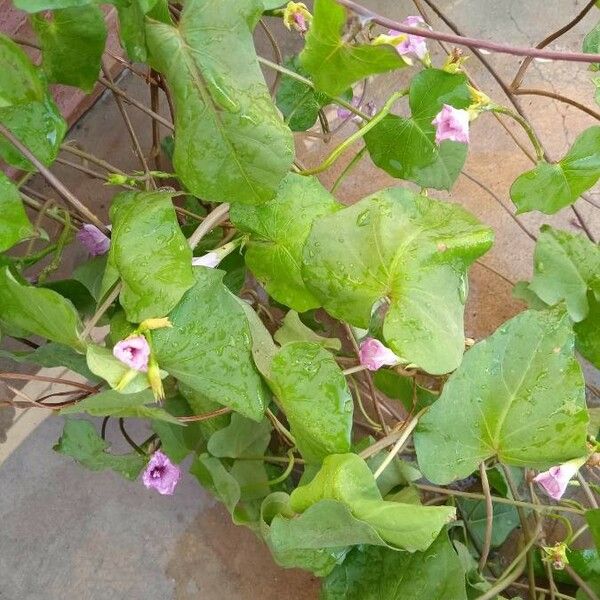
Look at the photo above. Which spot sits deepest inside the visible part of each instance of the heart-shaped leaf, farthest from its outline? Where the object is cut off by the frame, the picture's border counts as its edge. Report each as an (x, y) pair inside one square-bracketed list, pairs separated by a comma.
[(20, 82), (408, 250), (518, 395), (552, 186), (221, 98), (209, 346), (278, 230), (335, 64)]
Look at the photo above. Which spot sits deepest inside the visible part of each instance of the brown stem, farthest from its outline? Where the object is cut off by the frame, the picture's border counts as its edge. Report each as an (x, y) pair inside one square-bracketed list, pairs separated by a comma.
[(472, 43), (137, 148), (583, 224), (492, 270), (155, 106), (559, 97), (276, 55), (489, 517), (91, 158), (516, 82), (206, 416), (27, 377), (52, 179)]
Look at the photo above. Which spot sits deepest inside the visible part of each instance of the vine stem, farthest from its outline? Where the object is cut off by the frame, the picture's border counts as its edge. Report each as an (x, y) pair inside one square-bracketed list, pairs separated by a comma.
[(468, 41), (52, 179), (580, 582), (339, 150), (539, 150), (559, 97), (489, 517), (206, 416), (218, 215), (101, 310)]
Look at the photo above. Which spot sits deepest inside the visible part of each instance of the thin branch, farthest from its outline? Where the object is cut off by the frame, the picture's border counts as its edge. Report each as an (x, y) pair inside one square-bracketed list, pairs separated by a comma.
[(489, 517), (572, 573), (112, 296), (206, 416), (583, 224), (277, 55), (217, 216), (468, 41), (27, 377), (52, 179), (68, 147), (559, 97)]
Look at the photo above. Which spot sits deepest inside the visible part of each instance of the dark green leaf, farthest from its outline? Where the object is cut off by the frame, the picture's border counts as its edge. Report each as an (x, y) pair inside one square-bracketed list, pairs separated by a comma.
[(14, 224), (294, 330), (90, 274), (39, 126), (81, 442), (410, 251), (375, 573), (334, 64), (221, 98), (394, 386), (593, 520), (150, 254), (209, 346), (518, 395), (72, 41), (312, 391), (39, 311), (74, 291), (406, 147), (278, 230), (242, 438), (348, 479), (115, 404), (20, 82), (587, 339), (474, 514), (552, 186)]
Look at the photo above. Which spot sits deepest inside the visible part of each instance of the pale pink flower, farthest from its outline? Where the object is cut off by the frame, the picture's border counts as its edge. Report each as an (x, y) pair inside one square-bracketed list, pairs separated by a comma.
[(161, 474), (556, 479), (451, 124), (374, 355), (134, 352), (413, 44), (300, 22), (94, 241), (211, 259)]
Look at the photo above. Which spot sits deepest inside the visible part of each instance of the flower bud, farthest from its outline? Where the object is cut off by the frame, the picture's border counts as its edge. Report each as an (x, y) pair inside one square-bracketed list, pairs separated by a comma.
[(150, 324), (556, 555), (374, 355), (94, 241), (155, 379), (555, 480), (296, 16)]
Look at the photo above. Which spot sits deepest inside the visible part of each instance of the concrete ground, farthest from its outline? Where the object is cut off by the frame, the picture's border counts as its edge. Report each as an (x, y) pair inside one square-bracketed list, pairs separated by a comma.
[(68, 533)]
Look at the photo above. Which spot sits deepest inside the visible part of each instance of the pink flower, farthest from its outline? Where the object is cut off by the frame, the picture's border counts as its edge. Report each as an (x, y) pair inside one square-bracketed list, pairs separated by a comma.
[(161, 474), (451, 124), (374, 355), (300, 22), (134, 352), (211, 259), (556, 479), (94, 241), (413, 44)]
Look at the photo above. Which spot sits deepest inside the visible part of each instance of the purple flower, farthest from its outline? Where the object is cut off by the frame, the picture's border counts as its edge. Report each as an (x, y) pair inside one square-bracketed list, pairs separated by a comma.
[(134, 352), (451, 124), (556, 479), (300, 22), (374, 355), (211, 259), (413, 44), (94, 241), (161, 474)]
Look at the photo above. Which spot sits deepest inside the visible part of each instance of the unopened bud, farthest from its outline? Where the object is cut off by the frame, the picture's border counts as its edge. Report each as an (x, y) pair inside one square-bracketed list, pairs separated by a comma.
[(150, 324), (296, 16), (155, 379)]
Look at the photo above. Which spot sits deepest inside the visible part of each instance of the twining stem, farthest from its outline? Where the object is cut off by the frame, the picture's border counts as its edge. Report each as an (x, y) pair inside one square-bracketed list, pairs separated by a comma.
[(52, 179), (489, 517), (206, 416), (214, 218), (112, 296), (361, 407), (468, 41), (572, 573), (355, 160), (559, 97), (497, 499), (587, 490), (67, 147), (280, 427), (539, 589), (337, 152), (288, 469), (539, 150), (310, 84), (356, 369)]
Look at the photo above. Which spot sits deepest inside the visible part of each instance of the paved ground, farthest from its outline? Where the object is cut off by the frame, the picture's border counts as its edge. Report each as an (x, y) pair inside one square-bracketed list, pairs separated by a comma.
[(70, 534)]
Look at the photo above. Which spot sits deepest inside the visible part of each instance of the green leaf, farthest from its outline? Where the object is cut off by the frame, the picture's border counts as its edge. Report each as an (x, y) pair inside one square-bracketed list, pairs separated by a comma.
[(241, 438), (81, 442), (74, 291), (102, 363), (209, 346), (20, 82), (587, 339), (150, 253), (552, 186), (566, 266), (593, 520), (409, 251), (114, 404), (278, 230), (39, 126), (14, 225), (591, 44), (298, 102), (348, 479), (518, 395), (220, 97), (334, 64), (375, 573), (312, 391), (39, 311), (394, 386), (505, 519), (294, 330), (72, 41), (33, 6), (406, 148), (54, 355), (90, 274)]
